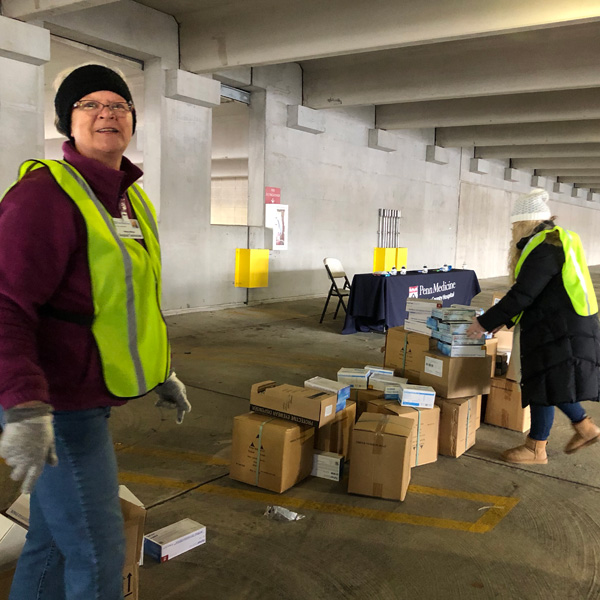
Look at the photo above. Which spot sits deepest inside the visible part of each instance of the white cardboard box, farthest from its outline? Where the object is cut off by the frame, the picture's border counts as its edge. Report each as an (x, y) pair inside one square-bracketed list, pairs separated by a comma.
[(381, 382), (173, 540), (417, 396), (328, 465), (333, 387), (355, 378), (379, 370)]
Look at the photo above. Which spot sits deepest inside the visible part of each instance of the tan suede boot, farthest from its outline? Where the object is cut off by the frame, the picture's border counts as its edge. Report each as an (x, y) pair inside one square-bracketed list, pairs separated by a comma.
[(586, 433), (532, 452)]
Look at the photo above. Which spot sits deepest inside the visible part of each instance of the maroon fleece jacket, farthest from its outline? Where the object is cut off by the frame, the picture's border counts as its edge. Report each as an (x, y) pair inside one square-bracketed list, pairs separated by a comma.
[(43, 260)]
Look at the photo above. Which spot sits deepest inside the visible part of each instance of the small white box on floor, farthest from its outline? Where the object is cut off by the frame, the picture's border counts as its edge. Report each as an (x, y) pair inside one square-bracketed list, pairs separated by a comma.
[(328, 465), (175, 539)]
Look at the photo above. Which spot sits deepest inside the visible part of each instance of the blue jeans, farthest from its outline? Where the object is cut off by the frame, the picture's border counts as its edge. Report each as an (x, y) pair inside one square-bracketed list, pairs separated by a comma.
[(75, 546), (542, 418)]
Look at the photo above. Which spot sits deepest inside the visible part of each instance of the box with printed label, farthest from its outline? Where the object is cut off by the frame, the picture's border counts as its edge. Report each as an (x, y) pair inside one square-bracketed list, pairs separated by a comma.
[(381, 382), (336, 436), (456, 377), (341, 390), (355, 378), (298, 404), (422, 396), (175, 539), (453, 315), (134, 515), (270, 453), (458, 339), (328, 465), (504, 408), (379, 370), (405, 351), (461, 351), (458, 425), (425, 431), (380, 465)]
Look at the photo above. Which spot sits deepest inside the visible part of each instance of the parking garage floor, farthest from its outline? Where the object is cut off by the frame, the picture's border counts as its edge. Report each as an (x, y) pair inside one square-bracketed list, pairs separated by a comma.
[(472, 527)]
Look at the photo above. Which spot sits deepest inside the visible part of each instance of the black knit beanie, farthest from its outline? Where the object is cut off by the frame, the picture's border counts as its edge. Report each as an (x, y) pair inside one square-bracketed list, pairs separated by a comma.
[(82, 81)]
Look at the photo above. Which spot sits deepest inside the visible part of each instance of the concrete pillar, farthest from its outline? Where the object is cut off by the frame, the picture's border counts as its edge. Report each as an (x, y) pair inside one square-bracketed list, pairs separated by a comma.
[(23, 50), (177, 166)]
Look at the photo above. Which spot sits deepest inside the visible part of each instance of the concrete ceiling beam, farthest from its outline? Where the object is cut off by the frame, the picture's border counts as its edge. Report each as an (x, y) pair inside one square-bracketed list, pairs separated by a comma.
[(539, 151), (260, 32), (586, 184), (534, 61), (561, 173), (556, 163), (35, 10), (580, 178), (524, 134), (564, 105)]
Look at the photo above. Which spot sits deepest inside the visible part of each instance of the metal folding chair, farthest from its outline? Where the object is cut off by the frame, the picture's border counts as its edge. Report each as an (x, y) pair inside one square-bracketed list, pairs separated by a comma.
[(335, 270)]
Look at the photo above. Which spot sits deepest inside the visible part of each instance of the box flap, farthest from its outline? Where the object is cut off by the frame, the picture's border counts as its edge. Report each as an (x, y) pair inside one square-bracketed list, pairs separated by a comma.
[(386, 424)]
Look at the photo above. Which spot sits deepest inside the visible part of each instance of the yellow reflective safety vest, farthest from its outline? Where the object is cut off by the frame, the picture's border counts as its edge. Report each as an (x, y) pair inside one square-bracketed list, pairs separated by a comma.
[(128, 325), (575, 272)]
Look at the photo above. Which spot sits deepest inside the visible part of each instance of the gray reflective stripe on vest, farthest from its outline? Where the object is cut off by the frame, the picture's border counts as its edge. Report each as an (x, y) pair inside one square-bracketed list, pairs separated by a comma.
[(150, 218), (131, 316), (579, 274)]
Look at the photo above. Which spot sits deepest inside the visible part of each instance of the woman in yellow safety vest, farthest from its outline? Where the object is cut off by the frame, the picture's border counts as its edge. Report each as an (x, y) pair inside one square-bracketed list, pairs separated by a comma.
[(81, 331), (557, 334)]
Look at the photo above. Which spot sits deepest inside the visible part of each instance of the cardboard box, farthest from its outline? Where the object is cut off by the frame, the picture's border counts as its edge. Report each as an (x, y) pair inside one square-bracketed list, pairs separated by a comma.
[(134, 516), (425, 430), (336, 436), (457, 339), (381, 448), (456, 377), (405, 351), (450, 314), (513, 372), (504, 407), (458, 425), (328, 465), (373, 370), (362, 399), (175, 539), (298, 404), (355, 378), (270, 453), (331, 387), (460, 351), (382, 382), (12, 540), (505, 338), (479, 402), (491, 349)]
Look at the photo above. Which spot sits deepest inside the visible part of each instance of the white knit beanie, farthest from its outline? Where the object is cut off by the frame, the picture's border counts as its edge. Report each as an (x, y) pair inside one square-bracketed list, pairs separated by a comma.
[(531, 207)]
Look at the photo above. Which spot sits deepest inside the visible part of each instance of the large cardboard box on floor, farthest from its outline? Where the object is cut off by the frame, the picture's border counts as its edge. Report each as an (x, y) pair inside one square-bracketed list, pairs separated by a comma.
[(298, 404), (456, 377), (134, 515), (405, 351), (425, 430), (458, 425), (380, 465), (335, 436), (504, 407), (270, 453)]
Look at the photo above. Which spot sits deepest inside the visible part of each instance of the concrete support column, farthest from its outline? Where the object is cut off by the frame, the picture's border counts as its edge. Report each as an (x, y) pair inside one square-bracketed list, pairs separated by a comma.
[(23, 50)]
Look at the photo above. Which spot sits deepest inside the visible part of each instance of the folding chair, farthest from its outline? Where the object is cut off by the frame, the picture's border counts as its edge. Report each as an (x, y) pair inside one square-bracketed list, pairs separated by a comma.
[(335, 270)]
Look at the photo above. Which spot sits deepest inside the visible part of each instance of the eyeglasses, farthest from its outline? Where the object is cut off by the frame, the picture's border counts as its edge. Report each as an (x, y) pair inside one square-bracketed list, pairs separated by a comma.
[(94, 107)]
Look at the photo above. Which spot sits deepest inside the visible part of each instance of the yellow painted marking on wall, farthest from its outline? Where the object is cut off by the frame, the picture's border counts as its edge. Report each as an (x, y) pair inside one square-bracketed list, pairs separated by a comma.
[(193, 457), (499, 506)]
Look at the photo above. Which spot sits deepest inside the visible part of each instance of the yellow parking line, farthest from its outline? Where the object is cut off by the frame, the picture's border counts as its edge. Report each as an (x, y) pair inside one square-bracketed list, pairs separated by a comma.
[(499, 506), (193, 457)]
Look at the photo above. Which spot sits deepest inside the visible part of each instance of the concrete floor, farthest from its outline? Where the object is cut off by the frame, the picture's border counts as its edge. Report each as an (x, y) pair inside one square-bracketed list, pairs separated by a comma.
[(538, 528)]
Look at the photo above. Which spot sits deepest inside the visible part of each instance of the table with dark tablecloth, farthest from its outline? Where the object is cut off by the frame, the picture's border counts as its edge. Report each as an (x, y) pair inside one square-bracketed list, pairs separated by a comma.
[(377, 302)]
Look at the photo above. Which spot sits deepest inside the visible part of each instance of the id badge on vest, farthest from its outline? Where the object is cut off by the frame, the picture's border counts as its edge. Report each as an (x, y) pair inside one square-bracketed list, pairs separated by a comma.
[(128, 228)]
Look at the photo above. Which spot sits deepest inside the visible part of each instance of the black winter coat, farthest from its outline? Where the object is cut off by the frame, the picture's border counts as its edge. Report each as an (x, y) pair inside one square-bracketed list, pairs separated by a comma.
[(560, 350)]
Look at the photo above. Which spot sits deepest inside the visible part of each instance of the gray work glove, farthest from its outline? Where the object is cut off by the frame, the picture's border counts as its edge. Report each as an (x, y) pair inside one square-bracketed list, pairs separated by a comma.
[(27, 443), (172, 394)]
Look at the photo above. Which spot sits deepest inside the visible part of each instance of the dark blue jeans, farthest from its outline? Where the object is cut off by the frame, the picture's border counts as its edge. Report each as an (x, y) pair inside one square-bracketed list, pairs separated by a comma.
[(542, 418), (75, 546)]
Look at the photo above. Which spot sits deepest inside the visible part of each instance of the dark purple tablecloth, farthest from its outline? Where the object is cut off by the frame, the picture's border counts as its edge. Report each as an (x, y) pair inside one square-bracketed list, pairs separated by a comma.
[(377, 302)]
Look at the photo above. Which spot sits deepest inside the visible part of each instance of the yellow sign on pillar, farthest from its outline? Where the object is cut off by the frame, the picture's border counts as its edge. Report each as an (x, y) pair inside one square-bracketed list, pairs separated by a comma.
[(386, 258), (251, 268)]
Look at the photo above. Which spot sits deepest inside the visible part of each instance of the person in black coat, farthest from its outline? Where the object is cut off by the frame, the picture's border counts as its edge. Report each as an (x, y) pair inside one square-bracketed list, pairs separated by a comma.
[(558, 349)]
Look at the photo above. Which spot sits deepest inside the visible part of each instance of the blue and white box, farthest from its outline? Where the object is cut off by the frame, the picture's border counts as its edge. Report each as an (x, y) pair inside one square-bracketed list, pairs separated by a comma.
[(381, 382), (173, 540), (355, 378), (379, 370), (342, 390), (417, 396)]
